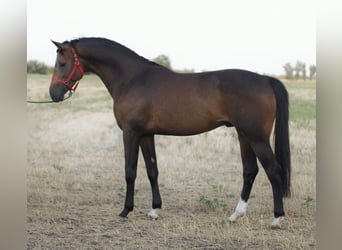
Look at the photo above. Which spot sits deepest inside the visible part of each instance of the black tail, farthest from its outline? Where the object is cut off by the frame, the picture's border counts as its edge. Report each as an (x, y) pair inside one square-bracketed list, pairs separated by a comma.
[(281, 135)]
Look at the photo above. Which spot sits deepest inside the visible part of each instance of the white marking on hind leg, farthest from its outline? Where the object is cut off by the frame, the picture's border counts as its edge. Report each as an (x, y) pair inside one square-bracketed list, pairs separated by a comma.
[(153, 214), (240, 210)]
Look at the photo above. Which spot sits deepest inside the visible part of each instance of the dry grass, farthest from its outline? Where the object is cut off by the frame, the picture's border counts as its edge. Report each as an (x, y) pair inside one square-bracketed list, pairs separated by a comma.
[(76, 183)]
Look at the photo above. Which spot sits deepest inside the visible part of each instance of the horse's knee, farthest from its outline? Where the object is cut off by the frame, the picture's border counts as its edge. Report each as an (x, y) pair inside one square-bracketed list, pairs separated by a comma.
[(130, 176)]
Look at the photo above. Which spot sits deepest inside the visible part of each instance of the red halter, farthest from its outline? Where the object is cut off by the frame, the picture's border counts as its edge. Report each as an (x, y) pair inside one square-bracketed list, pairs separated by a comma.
[(66, 82)]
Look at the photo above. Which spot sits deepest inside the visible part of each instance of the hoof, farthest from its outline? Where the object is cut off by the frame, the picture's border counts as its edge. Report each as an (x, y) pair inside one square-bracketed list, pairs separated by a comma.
[(240, 211), (124, 213), (236, 215), (153, 214), (276, 222)]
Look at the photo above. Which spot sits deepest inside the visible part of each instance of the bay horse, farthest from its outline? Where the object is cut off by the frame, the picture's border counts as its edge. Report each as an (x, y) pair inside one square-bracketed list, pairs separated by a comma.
[(150, 99)]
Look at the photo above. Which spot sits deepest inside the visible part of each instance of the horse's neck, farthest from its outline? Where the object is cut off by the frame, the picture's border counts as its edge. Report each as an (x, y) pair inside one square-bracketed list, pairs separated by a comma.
[(116, 73)]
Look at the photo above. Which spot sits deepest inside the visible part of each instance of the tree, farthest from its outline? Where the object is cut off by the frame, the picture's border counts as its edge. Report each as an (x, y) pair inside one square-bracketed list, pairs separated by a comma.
[(163, 60), (297, 69), (300, 70), (304, 71), (288, 71), (36, 67), (312, 70)]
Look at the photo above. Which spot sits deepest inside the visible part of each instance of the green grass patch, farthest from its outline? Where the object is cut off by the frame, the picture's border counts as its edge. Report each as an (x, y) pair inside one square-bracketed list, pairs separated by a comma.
[(307, 85), (301, 110), (302, 99)]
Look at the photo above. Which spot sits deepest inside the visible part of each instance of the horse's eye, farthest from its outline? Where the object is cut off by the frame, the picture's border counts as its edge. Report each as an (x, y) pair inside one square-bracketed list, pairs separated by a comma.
[(62, 64)]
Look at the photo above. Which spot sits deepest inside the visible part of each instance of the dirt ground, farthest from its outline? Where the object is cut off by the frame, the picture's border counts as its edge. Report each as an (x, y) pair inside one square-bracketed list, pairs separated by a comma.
[(76, 184)]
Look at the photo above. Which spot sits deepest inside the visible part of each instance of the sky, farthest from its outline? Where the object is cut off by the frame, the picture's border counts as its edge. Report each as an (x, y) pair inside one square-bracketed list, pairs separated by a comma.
[(261, 36)]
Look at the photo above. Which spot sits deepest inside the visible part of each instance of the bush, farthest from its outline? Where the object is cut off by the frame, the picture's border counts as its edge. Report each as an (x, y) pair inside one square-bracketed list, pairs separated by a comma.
[(36, 67)]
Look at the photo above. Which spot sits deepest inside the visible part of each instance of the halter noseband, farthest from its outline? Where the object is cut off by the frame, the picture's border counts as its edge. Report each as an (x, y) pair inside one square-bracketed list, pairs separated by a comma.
[(66, 82)]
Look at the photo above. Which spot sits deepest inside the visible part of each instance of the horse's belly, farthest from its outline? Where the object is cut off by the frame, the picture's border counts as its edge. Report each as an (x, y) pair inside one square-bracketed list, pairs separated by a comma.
[(184, 124)]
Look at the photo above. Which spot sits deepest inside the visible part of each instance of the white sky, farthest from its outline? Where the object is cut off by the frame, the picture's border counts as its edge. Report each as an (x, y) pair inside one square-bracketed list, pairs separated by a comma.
[(257, 35)]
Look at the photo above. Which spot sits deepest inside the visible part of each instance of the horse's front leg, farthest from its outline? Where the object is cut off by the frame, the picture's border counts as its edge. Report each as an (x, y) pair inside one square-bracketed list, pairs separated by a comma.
[(131, 146), (148, 149)]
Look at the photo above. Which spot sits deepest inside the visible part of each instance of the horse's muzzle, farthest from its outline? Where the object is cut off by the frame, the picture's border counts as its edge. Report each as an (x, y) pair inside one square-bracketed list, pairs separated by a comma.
[(57, 92)]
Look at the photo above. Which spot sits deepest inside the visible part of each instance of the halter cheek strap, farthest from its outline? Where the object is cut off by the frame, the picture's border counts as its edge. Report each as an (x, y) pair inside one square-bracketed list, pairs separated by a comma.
[(77, 66)]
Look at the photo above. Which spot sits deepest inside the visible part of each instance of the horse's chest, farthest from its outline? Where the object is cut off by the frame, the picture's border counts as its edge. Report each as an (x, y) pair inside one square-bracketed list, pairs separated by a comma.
[(130, 114)]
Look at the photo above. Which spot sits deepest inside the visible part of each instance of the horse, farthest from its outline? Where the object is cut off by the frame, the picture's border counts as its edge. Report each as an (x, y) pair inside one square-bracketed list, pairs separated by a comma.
[(150, 99)]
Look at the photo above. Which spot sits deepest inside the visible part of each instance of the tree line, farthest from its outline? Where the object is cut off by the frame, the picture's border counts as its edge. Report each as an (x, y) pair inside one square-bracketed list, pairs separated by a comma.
[(299, 71), (36, 67), (291, 72)]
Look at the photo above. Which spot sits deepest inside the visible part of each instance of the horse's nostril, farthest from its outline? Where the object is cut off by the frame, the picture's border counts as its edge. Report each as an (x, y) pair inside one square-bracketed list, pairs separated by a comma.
[(56, 98), (57, 92)]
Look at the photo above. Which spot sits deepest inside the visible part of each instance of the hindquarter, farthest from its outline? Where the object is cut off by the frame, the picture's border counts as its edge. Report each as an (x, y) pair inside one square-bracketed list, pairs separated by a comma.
[(249, 102)]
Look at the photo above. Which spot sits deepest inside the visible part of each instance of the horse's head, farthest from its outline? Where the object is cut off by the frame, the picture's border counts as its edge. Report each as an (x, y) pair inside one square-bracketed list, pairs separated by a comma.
[(68, 71)]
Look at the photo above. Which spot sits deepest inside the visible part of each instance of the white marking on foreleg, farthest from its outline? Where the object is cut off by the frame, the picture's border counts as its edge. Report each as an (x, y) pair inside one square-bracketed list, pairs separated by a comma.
[(153, 214), (276, 222), (153, 160), (240, 210)]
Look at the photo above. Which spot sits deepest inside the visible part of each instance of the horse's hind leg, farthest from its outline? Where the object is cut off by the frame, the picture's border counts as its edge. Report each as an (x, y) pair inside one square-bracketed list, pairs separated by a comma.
[(263, 150), (148, 149), (250, 170)]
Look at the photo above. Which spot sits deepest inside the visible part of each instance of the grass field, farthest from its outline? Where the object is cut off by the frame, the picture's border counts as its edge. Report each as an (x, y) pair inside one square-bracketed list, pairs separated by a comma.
[(76, 184)]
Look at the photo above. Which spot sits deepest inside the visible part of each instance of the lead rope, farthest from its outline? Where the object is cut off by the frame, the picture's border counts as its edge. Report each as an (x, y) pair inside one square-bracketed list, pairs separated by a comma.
[(37, 102)]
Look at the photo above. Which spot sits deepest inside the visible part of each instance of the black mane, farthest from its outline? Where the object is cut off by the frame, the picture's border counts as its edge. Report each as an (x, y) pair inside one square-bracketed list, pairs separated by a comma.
[(111, 44)]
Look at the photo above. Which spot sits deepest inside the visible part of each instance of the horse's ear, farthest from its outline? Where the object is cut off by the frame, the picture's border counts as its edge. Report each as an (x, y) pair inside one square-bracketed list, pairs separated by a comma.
[(58, 45)]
